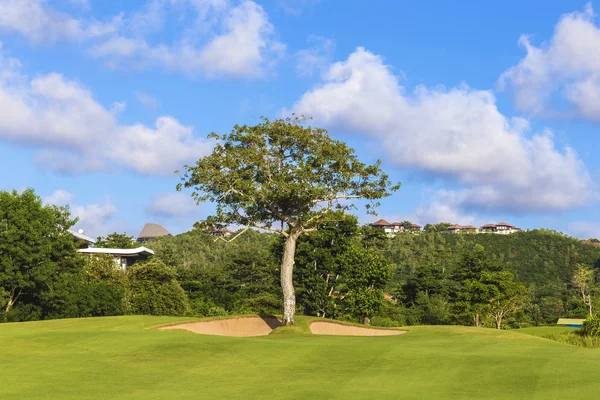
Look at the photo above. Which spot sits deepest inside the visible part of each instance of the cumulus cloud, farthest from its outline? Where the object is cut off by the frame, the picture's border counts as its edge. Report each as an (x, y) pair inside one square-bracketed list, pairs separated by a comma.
[(216, 38), (59, 198), (76, 134), (40, 23), (95, 219), (566, 66), (456, 133), (172, 205)]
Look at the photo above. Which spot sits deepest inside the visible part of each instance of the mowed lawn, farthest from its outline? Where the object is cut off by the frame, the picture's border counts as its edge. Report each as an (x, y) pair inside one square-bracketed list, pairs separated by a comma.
[(121, 358)]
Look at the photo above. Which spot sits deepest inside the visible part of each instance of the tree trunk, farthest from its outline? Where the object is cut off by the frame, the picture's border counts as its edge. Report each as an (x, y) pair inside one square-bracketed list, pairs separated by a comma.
[(476, 320), (367, 321), (11, 302), (287, 273), (498, 321)]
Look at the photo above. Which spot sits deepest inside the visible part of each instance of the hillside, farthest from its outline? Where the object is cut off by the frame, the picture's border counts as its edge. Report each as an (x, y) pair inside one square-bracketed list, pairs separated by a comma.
[(243, 275)]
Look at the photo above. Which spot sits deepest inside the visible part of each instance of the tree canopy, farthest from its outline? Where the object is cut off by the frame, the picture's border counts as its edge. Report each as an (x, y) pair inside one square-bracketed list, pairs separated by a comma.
[(35, 246), (284, 177)]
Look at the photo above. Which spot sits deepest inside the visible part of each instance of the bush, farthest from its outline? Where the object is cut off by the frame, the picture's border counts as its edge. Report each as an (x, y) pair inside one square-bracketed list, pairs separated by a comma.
[(591, 326), (203, 308), (155, 291), (384, 322), (264, 303)]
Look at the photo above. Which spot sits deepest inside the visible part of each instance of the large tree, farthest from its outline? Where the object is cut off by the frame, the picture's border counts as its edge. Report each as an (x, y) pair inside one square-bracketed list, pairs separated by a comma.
[(285, 177), (35, 246)]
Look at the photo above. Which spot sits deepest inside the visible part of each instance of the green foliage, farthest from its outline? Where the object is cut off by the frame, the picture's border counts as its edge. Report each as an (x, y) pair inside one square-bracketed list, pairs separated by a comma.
[(155, 291), (277, 171), (35, 249), (542, 260), (223, 277), (441, 227), (74, 298), (336, 273), (591, 326), (117, 241)]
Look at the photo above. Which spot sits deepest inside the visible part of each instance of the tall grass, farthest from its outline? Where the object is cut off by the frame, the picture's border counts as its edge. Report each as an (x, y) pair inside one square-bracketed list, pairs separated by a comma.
[(575, 339)]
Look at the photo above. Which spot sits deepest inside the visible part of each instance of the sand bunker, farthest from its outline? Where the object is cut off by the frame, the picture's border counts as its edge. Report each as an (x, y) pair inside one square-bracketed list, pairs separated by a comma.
[(251, 326), (331, 328)]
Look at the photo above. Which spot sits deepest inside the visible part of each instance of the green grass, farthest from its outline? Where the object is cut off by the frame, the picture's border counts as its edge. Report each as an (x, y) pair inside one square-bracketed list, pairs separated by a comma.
[(122, 358), (545, 330)]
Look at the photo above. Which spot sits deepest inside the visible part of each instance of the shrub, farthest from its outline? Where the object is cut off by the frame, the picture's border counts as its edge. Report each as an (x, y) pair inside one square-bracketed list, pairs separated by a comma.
[(204, 308), (591, 326), (155, 291), (384, 322)]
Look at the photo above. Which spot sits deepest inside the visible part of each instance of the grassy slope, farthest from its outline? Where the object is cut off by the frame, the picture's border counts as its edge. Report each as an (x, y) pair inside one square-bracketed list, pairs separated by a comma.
[(117, 358)]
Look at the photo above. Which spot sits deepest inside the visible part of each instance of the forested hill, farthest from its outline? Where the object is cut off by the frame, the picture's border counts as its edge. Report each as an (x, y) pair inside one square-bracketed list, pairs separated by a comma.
[(535, 257), (242, 275)]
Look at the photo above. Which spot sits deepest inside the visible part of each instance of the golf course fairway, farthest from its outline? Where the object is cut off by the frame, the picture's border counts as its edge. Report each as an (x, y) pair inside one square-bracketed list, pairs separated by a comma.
[(124, 358)]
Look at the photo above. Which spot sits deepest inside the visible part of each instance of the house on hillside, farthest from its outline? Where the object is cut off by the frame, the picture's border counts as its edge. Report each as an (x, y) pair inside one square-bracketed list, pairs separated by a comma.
[(124, 258), (391, 229), (152, 231), (503, 228), (462, 229), (388, 228)]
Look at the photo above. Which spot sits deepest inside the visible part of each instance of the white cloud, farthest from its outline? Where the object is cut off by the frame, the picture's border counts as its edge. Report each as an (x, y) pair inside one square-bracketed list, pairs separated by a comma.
[(77, 134), (456, 133), (172, 205), (40, 23), (95, 219), (567, 65), (214, 38), (444, 207), (59, 198), (314, 58)]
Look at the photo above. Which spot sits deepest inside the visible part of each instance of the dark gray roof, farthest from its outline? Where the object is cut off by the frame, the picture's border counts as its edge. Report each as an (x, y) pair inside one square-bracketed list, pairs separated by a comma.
[(152, 231)]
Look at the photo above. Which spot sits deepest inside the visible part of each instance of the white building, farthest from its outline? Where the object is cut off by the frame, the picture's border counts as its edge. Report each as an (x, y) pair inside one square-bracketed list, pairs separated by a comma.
[(503, 228)]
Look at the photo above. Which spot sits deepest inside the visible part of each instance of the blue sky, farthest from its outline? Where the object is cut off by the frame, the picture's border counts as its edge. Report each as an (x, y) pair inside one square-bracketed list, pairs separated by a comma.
[(485, 112)]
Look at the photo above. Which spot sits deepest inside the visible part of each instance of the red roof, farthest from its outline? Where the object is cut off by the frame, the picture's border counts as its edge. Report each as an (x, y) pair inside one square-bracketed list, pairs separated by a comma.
[(415, 226), (452, 227), (504, 224), (381, 222), (489, 226)]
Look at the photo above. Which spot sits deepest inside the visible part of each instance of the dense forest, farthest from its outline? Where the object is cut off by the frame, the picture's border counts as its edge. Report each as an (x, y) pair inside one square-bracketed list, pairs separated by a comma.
[(421, 287)]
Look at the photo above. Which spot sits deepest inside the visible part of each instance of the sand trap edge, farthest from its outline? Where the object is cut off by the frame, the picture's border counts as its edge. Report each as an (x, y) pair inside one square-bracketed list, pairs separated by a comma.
[(337, 329), (234, 327)]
